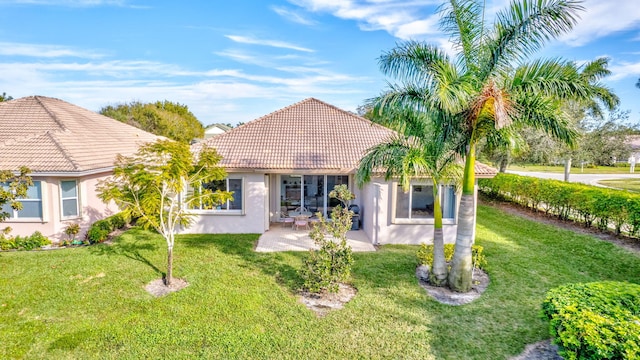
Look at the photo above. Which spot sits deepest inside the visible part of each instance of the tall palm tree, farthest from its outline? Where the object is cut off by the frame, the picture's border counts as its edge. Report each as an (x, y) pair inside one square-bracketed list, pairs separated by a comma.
[(420, 150), (487, 85)]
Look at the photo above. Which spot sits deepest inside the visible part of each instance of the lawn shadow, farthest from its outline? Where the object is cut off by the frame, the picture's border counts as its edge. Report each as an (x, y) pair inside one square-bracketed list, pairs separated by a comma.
[(131, 250), (242, 246)]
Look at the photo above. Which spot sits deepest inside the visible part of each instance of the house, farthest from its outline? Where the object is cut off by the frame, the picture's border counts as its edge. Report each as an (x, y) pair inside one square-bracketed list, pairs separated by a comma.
[(294, 157), (215, 129), (68, 150)]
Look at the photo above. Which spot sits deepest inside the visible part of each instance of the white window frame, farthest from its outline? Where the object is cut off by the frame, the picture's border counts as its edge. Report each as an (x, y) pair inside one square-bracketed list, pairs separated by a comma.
[(77, 198), (13, 217), (226, 211), (429, 221)]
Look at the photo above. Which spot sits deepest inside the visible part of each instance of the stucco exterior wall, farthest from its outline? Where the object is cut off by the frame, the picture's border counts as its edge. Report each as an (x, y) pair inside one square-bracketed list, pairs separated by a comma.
[(91, 208), (251, 220), (377, 206)]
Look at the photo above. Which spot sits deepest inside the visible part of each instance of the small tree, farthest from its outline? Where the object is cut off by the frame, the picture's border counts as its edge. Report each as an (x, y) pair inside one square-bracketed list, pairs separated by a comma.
[(326, 268), (14, 187), (151, 184)]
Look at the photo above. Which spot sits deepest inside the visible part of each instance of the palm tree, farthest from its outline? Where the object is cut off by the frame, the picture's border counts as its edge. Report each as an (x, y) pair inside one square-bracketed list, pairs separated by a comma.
[(419, 150), (487, 85)]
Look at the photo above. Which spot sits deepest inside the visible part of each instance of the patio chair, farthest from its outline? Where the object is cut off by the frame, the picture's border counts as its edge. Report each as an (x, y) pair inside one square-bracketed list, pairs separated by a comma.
[(286, 219), (301, 222)]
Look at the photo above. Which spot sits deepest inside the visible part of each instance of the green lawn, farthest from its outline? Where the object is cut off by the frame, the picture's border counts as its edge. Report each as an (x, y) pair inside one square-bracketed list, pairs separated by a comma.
[(632, 185), (90, 302), (574, 170)]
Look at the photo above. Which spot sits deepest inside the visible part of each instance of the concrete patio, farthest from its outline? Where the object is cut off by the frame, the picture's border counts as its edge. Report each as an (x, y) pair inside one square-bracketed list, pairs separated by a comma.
[(283, 238)]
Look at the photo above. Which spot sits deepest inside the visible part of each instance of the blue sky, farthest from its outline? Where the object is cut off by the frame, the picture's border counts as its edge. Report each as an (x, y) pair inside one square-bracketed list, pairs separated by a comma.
[(233, 61)]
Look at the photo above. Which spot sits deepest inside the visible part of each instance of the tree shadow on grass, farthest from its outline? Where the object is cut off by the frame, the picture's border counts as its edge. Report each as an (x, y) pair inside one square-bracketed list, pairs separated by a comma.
[(129, 249), (241, 246)]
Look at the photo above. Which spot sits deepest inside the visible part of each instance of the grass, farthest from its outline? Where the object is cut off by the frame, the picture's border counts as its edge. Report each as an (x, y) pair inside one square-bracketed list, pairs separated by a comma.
[(632, 185), (574, 170), (90, 302)]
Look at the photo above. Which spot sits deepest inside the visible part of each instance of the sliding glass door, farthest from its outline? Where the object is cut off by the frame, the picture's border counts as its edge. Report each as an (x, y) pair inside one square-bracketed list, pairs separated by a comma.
[(310, 192)]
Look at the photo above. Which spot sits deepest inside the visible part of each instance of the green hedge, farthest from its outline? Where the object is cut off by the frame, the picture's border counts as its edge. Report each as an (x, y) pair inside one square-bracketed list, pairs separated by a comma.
[(425, 255), (591, 205), (598, 320)]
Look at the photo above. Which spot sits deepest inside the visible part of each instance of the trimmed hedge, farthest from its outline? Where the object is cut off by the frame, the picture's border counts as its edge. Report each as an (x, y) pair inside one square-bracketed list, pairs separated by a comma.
[(591, 205), (599, 320)]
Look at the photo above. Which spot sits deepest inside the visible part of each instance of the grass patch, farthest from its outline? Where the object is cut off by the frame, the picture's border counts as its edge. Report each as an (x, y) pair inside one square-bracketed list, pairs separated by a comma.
[(90, 302), (632, 185), (574, 170)]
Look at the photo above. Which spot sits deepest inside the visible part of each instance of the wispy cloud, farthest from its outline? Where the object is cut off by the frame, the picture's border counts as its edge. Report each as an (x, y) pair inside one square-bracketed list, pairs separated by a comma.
[(624, 69), (292, 15), (402, 19), (267, 42), (603, 18), (44, 51)]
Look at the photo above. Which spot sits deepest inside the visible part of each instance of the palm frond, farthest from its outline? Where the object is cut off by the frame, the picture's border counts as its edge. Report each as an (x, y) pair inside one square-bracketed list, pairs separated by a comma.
[(525, 26), (463, 21), (412, 61)]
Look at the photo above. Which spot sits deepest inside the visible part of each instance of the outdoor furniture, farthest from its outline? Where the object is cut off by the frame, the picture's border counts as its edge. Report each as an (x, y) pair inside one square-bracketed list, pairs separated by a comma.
[(301, 221)]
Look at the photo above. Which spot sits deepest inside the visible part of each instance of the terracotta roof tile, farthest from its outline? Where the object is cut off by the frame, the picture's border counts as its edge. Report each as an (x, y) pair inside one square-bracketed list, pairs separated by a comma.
[(51, 135), (308, 135)]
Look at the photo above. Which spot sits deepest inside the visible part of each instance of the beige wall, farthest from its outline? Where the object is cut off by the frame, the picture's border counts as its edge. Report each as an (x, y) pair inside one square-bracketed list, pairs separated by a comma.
[(251, 221), (52, 225), (377, 206)]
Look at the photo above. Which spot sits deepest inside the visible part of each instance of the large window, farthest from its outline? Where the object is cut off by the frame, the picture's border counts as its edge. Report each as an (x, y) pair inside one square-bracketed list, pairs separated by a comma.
[(31, 205), (69, 198), (418, 202), (230, 184)]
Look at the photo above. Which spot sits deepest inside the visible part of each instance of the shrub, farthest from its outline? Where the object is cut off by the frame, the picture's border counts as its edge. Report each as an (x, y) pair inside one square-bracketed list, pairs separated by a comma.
[(104, 224), (96, 234), (117, 221), (326, 268), (425, 255), (598, 320), (33, 241), (72, 230)]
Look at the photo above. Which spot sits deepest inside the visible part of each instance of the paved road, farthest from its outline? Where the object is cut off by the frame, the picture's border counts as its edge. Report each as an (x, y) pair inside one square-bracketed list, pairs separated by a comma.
[(591, 179)]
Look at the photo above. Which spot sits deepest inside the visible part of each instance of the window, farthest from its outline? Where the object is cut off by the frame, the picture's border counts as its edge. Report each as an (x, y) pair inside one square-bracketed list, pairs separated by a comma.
[(229, 184), (31, 205), (69, 198), (418, 202)]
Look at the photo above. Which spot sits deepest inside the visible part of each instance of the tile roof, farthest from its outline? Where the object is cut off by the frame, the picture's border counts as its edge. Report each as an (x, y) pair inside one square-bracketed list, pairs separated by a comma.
[(308, 135), (51, 135)]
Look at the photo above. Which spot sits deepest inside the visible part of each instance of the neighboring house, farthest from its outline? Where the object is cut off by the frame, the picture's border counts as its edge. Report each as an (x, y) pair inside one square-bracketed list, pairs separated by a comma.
[(68, 149), (215, 129), (294, 156)]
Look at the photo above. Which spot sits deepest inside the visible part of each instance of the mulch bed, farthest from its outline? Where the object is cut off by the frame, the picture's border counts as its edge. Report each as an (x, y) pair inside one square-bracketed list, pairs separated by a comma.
[(323, 303)]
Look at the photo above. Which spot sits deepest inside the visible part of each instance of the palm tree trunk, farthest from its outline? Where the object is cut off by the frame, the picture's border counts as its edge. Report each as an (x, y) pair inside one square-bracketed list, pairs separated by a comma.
[(462, 264), (438, 275), (169, 276)]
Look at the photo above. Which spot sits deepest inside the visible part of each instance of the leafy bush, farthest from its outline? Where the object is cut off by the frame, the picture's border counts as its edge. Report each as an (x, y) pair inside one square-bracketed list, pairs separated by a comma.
[(593, 206), (96, 234), (72, 230), (599, 320), (104, 224), (33, 241), (326, 268), (118, 221), (425, 255)]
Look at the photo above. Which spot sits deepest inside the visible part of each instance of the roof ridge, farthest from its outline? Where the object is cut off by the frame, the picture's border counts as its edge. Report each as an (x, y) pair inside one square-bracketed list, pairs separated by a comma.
[(64, 151), (361, 118), (51, 113)]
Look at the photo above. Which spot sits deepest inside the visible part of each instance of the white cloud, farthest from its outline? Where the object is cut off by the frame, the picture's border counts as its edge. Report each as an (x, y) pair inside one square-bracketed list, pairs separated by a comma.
[(623, 70), (44, 51), (265, 42), (402, 19), (603, 18), (292, 15)]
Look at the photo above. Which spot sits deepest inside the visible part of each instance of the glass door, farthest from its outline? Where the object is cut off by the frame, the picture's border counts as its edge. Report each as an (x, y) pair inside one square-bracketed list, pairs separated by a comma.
[(314, 193), (290, 192)]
